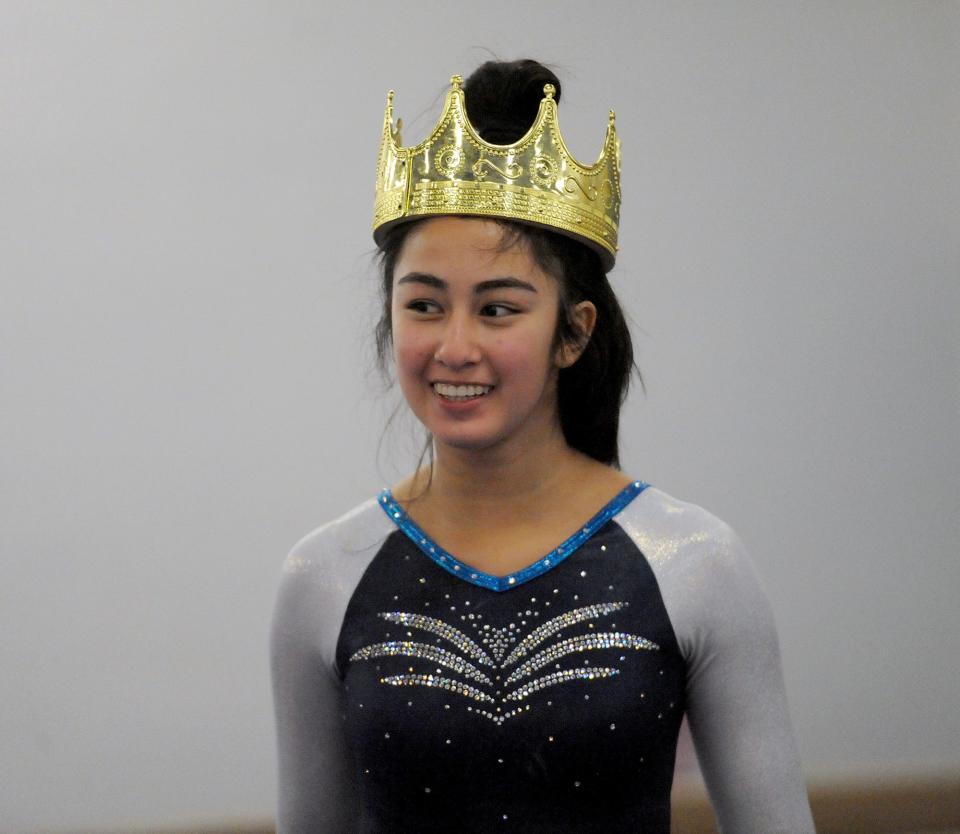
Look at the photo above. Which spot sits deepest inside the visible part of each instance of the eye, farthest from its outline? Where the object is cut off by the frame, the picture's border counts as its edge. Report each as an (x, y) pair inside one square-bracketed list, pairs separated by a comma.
[(421, 305), (497, 311)]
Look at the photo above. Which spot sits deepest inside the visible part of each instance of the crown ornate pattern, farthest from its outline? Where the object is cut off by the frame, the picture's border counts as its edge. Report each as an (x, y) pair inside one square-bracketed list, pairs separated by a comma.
[(534, 180)]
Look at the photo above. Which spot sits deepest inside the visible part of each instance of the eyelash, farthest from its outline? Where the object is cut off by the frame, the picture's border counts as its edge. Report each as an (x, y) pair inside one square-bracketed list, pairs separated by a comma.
[(418, 306), (510, 310)]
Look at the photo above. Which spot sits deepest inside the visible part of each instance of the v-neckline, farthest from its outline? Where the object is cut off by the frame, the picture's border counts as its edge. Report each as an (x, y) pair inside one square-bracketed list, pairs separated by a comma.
[(454, 566)]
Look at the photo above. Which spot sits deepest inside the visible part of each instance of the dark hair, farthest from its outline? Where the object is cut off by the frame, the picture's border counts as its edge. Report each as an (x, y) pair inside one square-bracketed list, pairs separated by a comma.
[(502, 100)]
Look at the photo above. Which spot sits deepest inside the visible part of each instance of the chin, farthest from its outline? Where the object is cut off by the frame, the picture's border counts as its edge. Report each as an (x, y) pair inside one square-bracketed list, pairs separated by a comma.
[(467, 444)]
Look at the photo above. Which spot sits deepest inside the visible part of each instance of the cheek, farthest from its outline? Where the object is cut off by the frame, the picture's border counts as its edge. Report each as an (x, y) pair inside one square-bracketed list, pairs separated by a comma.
[(410, 353), (525, 359)]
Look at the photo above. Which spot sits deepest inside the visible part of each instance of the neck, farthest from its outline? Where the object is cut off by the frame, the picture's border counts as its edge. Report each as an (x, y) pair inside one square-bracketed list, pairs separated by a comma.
[(496, 482)]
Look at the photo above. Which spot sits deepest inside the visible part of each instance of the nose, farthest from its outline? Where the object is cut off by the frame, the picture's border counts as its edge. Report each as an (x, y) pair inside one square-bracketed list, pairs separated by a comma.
[(458, 346)]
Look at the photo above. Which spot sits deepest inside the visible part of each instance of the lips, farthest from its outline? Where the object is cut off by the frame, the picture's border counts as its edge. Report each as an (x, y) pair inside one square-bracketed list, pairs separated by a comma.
[(460, 393)]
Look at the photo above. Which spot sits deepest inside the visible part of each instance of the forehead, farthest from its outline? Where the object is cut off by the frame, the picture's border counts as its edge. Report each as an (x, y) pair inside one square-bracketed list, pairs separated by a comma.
[(464, 250)]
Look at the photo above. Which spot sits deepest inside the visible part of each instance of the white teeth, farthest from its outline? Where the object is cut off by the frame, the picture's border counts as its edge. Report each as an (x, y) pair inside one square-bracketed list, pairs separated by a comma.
[(460, 390)]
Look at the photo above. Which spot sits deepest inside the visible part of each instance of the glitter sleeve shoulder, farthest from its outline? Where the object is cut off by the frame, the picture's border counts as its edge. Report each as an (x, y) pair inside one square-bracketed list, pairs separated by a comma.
[(319, 577), (736, 700)]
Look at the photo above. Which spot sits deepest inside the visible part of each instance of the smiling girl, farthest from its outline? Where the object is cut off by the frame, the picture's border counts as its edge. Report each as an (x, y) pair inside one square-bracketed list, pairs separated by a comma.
[(508, 639)]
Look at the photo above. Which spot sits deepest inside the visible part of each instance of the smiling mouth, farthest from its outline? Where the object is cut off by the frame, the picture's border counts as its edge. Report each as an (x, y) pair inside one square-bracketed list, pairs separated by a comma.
[(461, 393)]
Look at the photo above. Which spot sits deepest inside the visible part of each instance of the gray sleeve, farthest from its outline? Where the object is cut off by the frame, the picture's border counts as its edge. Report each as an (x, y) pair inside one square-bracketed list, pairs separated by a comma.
[(316, 792), (736, 701)]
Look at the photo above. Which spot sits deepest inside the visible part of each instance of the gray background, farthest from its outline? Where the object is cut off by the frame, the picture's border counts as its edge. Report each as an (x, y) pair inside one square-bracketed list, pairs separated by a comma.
[(185, 351)]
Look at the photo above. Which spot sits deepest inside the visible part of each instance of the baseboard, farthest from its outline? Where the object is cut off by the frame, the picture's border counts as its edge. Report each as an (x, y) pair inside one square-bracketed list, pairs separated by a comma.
[(883, 806)]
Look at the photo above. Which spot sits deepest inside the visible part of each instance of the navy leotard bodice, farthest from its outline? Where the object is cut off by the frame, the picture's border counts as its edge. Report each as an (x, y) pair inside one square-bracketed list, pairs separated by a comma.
[(563, 691), (414, 694)]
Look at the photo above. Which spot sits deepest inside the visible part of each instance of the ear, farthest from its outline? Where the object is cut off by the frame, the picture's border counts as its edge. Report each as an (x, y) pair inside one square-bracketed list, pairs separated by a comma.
[(584, 320)]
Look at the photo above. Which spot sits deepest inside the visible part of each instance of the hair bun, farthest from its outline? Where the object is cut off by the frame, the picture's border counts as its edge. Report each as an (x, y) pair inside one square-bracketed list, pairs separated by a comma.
[(503, 98)]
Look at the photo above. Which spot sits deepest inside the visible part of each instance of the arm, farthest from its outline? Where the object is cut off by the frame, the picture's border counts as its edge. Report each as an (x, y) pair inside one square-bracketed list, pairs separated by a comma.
[(737, 706), (315, 786), (735, 696)]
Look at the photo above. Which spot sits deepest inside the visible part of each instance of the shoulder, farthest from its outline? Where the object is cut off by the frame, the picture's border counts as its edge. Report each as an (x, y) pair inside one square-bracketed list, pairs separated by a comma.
[(667, 529), (707, 580), (320, 574), (339, 542), (329, 554)]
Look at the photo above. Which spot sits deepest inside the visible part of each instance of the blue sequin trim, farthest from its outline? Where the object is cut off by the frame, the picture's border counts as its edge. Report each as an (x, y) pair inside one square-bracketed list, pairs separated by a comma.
[(452, 565)]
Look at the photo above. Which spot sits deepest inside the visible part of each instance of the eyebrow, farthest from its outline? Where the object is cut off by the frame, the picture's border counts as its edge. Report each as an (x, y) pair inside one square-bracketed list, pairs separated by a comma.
[(506, 283)]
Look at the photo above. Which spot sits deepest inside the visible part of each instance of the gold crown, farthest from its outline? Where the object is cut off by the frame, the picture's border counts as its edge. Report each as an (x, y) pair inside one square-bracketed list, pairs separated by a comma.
[(534, 180)]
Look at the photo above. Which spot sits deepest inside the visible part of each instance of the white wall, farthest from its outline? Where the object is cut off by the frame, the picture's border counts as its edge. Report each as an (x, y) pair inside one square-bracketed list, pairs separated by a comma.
[(185, 341)]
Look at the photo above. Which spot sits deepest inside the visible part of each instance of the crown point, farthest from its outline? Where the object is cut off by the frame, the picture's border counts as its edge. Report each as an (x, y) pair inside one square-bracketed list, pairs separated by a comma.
[(456, 81), (613, 116), (390, 95), (549, 90)]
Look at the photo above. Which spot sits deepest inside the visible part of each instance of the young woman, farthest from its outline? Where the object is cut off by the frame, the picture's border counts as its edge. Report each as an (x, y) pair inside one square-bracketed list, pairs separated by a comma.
[(508, 639)]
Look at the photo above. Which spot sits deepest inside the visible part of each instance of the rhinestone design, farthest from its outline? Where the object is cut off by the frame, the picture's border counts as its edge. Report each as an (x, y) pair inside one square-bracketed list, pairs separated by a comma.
[(552, 626), (441, 629), (583, 643), (559, 677), (496, 639), (425, 651), (443, 683)]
